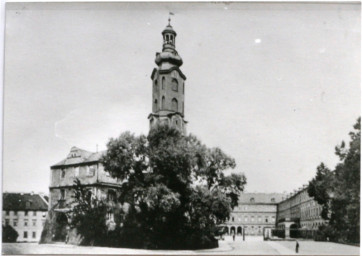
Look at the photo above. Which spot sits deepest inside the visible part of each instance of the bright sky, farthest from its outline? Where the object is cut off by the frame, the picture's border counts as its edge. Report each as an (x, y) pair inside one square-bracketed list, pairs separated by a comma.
[(276, 86)]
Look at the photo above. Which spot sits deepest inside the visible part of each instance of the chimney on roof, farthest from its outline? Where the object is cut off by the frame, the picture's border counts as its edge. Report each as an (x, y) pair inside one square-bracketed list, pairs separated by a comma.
[(96, 148), (32, 193)]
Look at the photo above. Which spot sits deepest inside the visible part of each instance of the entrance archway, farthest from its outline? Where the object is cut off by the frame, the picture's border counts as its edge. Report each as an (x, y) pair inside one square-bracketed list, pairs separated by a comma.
[(293, 231), (239, 231), (232, 231), (60, 231)]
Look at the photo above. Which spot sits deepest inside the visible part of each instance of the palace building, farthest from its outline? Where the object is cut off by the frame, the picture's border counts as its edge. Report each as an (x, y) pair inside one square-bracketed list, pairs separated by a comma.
[(299, 210), (255, 212)]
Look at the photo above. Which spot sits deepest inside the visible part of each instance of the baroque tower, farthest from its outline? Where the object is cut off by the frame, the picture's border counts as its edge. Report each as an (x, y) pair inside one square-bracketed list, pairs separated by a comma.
[(168, 85)]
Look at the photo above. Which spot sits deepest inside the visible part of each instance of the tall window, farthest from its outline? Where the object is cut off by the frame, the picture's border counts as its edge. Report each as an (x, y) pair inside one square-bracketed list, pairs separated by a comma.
[(91, 171), (163, 83), (62, 194), (183, 87), (62, 173), (174, 105), (174, 85), (111, 196), (163, 102), (34, 234), (156, 85), (76, 171), (155, 105), (25, 234)]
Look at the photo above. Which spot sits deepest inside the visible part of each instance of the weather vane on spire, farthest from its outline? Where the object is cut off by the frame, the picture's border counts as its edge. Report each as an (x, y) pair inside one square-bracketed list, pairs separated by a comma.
[(169, 17)]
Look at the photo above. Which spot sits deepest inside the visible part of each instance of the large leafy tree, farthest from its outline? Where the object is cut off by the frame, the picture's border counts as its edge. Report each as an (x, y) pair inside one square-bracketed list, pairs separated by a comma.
[(338, 191), (175, 186)]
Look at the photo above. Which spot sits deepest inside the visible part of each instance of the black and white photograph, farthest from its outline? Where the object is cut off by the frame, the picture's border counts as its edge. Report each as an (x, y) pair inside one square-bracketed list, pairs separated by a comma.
[(179, 128)]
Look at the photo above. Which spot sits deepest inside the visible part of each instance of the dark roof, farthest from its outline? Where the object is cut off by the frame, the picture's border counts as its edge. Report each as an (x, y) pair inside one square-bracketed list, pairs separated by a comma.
[(260, 198), (79, 156), (24, 202)]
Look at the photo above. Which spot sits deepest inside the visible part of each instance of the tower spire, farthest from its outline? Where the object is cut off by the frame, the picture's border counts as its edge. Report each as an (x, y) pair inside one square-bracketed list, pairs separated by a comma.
[(168, 84)]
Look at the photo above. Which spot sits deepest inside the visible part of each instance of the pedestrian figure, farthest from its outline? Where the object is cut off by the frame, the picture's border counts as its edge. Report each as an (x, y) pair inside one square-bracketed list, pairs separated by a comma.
[(297, 247), (234, 236)]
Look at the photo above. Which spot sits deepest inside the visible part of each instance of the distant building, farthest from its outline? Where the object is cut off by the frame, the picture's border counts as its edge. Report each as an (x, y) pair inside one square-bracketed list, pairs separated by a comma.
[(26, 214), (257, 211), (299, 210), (254, 212)]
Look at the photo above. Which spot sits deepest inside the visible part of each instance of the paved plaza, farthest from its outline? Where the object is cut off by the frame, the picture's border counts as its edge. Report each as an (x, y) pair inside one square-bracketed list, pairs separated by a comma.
[(251, 245)]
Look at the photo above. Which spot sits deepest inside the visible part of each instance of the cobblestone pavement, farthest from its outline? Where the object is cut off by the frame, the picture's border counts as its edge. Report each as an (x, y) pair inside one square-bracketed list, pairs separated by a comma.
[(251, 245)]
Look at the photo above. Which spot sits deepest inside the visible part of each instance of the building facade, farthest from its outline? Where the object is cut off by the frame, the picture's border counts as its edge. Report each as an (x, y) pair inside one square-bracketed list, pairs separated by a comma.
[(254, 212), (26, 214), (84, 166), (299, 210)]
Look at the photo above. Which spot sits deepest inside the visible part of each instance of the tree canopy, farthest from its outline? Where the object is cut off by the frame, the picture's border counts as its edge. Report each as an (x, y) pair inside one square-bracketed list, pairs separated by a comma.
[(175, 187), (338, 191)]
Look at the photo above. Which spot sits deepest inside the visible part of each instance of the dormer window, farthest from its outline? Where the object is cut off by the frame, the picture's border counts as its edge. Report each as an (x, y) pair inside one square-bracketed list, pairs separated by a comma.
[(252, 200), (273, 200)]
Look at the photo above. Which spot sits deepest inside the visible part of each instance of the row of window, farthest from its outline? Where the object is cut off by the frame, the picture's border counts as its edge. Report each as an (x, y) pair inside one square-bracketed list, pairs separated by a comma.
[(311, 212), (90, 171), (25, 234), (25, 223), (252, 200), (246, 219), (174, 104), (26, 213), (174, 85)]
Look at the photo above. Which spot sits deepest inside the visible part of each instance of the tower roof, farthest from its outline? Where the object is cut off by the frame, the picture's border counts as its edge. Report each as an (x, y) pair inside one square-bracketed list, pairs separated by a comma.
[(169, 29)]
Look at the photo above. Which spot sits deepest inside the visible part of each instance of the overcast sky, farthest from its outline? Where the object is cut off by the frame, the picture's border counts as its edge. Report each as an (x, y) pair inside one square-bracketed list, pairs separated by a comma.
[(276, 86)]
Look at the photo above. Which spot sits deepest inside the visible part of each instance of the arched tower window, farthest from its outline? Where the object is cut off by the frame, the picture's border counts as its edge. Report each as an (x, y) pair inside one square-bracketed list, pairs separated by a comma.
[(183, 87), (174, 105), (156, 85), (155, 106), (163, 83), (163, 102), (174, 85)]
